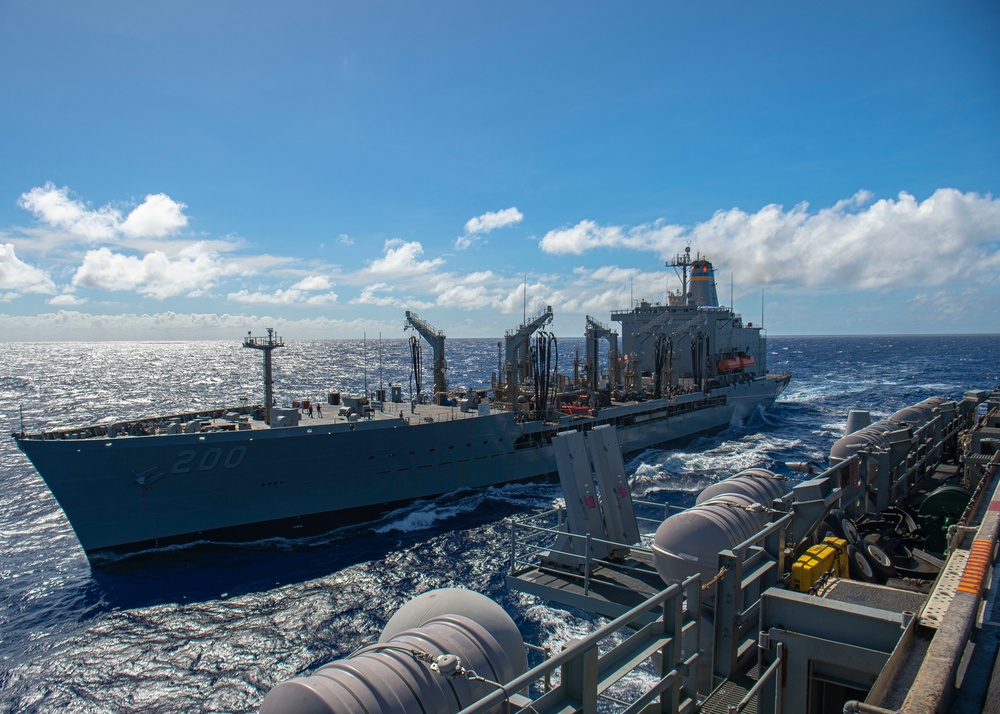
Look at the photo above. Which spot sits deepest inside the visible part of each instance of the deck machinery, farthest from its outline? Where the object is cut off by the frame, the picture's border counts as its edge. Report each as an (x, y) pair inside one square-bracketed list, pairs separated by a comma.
[(688, 343), (743, 631), (435, 338), (745, 638), (517, 348), (593, 334)]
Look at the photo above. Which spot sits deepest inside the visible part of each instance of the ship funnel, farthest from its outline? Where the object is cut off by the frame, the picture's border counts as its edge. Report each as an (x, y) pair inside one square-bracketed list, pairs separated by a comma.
[(702, 285), (421, 662)]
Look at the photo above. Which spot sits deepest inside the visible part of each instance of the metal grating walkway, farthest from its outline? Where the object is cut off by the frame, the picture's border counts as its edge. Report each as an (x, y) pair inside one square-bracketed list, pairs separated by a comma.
[(731, 692)]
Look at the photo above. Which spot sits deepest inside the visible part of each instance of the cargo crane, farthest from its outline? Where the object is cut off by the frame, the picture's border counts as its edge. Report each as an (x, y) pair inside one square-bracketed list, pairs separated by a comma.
[(592, 335), (516, 343), (435, 338)]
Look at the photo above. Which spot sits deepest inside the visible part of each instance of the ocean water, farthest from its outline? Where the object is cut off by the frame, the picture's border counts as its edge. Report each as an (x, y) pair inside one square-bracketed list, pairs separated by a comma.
[(212, 627)]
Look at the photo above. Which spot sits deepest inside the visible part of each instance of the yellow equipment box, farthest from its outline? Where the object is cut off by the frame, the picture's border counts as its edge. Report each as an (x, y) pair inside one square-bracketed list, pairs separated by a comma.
[(830, 555)]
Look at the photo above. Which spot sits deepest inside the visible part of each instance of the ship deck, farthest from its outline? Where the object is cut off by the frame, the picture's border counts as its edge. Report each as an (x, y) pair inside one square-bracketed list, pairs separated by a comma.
[(210, 420), (238, 419), (900, 644), (393, 411)]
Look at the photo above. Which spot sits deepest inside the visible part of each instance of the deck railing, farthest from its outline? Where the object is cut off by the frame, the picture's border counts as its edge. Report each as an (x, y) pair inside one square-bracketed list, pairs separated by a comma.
[(586, 673)]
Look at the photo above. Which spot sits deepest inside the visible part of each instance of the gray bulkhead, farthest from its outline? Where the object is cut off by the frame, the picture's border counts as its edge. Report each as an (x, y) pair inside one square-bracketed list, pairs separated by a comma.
[(701, 335)]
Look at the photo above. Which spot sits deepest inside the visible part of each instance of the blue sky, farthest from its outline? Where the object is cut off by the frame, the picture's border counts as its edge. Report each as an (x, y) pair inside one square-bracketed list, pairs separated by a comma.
[(197, 169)]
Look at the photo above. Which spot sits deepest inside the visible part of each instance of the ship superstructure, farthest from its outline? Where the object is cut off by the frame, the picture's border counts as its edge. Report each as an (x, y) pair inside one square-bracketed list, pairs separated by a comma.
[(691, 342)]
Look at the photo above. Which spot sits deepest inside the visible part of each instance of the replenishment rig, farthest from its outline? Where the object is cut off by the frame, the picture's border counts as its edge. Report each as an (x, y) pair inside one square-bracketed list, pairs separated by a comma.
[(863, 587)]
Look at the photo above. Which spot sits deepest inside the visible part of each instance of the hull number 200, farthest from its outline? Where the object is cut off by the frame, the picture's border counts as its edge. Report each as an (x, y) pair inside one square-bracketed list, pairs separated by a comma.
[(188, 460)]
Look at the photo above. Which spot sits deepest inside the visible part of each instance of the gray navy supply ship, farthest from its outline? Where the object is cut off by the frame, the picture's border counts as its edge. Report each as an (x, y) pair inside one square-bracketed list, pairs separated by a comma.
[(684, 368)]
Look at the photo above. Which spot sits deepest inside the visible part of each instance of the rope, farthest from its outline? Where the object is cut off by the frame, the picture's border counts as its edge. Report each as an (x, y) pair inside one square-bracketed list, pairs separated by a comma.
[(716, 578), (440, 664), (754, 508), (772, 477)]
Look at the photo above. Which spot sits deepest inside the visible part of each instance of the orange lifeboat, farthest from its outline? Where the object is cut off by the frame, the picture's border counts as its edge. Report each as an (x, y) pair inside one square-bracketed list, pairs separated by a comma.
[(729, 364), (747, 361)]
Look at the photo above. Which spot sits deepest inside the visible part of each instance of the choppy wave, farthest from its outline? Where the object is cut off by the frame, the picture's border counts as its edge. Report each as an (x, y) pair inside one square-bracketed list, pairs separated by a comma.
[(212, 626), (421, 515)]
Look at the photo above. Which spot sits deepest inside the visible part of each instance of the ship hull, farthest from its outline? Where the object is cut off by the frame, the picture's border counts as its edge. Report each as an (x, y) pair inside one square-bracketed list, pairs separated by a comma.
[(136, 492)]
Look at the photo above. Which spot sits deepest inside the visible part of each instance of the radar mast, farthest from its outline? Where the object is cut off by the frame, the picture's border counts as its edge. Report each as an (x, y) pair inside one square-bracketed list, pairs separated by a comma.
[(265, 345), (683, 262)]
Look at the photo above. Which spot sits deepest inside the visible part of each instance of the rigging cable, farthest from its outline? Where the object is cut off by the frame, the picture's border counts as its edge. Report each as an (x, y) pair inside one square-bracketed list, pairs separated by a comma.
[(416, 362)]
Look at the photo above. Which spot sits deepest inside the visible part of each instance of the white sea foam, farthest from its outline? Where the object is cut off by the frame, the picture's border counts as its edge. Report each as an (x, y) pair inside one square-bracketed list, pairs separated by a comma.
[(423, 514), (652, 477), (126, 652), (558, 627)]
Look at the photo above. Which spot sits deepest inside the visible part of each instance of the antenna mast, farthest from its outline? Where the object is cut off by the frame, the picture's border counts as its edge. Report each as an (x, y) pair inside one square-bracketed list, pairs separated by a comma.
[(265, 345), (682, 262)]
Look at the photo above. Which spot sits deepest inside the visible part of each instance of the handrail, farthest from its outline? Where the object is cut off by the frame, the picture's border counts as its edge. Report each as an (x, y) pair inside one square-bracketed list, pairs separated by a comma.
[(740, 548), (580, 647), (541, 316), (775, 667), (422, 326)]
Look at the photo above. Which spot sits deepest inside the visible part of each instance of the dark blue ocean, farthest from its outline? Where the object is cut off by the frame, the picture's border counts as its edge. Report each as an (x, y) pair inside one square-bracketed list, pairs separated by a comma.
[(213, 627)]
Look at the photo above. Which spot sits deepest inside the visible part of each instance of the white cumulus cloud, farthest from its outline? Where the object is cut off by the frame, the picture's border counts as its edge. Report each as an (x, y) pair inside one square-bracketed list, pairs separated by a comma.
[(469, 291), (53, 206), (587, 235), (298, 294), (67, 300), (291, 296), (402, 259), (949, 237), (492, 220), (370, 296), (157, 216), (476, 227), (192, 272), (856, 243), (18, 277), (313, 282)]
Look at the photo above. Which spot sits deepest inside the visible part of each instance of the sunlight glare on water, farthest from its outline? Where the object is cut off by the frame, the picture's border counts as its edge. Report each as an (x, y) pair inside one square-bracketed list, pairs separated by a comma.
[(214, 627)]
